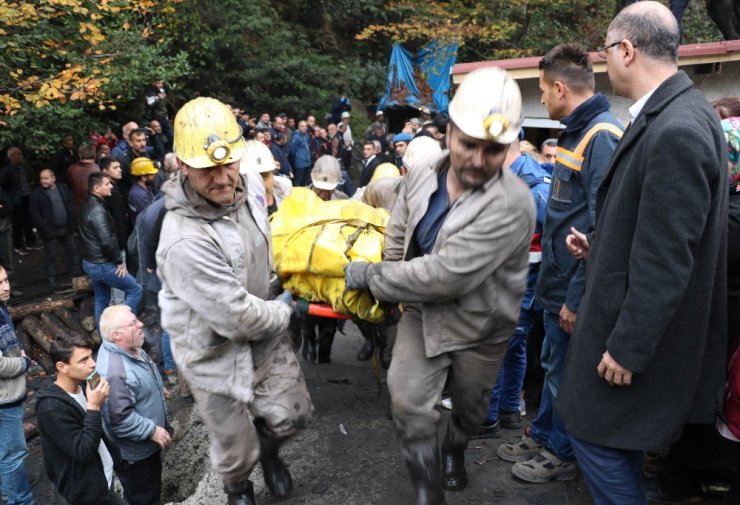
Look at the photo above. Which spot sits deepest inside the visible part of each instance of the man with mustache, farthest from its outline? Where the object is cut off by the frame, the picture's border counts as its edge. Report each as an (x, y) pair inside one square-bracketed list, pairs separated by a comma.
[(231, 344), (456, 253)]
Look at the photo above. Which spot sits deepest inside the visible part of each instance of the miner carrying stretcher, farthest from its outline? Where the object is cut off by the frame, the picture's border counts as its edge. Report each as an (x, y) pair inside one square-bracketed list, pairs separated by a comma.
[(229, 342), (456, 252)]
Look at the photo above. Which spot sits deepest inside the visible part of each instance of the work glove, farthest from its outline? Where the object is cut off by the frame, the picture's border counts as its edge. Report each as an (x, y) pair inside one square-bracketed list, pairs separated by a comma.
[(355, 275), (287, 298)]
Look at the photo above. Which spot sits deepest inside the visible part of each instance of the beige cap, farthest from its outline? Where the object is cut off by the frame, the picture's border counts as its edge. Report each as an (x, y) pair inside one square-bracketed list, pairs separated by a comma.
[(488, 106), (326, 173), (257, 157), (419, 148)]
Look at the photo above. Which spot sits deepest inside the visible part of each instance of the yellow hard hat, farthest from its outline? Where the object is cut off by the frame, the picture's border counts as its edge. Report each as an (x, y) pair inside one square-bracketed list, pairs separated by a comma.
[(207, 134), (386, 169), (143, 166), (257, 156), (488, 106)]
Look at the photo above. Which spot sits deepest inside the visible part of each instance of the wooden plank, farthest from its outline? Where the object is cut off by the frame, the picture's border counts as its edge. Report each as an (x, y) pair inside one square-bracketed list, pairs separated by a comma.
[(53, 324), (82, 284)]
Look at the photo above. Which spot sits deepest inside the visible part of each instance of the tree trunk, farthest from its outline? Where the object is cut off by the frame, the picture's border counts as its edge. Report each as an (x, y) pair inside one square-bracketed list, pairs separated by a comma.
[(70, 320), (37, 332), (87, 313), (22, 311)]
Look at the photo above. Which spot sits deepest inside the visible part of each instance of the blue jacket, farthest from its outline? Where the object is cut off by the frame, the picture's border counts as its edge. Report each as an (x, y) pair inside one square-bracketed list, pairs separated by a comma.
[(279, 154), (527, 169), (572, 201), (299, 151), (136, 405)]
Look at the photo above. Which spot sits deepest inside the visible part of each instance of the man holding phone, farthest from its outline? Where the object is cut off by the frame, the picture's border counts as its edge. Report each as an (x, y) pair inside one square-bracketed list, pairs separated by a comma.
[(76, 454), (135, 417)]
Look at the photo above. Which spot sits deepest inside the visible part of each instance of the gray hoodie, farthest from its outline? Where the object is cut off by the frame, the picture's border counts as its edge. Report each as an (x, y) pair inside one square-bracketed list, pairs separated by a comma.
[(214, 263)]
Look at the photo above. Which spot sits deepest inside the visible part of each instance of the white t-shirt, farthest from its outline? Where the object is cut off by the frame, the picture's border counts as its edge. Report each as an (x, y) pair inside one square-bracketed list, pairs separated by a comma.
[(102, 449)]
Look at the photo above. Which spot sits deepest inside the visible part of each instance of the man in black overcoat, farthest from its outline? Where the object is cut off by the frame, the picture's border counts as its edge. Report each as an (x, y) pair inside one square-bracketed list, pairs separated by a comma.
[(648, 352)]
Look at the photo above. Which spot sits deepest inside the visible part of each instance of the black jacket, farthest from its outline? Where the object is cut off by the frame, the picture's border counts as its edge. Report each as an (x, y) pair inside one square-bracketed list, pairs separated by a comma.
[(733, 266), (656, 280), (98, 233), (70, 438), (42, 212), (117, 204)]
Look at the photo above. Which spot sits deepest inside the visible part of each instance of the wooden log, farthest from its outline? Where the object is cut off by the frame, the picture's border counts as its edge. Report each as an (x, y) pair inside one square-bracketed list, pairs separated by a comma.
[(69, 319), (87, 313), (37, 332), (46, 363), (24, 340), (30, 430), (22, 311), (53, 324), (95, 335), (82, 284)]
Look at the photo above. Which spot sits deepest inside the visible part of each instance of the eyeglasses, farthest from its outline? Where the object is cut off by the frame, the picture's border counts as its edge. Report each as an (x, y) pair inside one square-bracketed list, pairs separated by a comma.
[(129, 325), (602, 51)]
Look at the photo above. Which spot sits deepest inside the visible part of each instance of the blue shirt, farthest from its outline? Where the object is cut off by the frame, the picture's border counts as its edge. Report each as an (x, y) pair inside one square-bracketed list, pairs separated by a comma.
[(426, 232)]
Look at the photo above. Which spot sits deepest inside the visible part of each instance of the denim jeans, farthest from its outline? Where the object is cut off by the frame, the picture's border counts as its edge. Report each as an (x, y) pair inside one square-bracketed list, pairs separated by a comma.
[(614, 476), (547, 428), (13, 450), (169, 361), (103, 276), (507, 394)]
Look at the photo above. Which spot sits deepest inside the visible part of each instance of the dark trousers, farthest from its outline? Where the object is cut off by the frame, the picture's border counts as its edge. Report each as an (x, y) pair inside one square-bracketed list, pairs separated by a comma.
[(142, 480), (50, 254), (614, 476), (113, 499), (22, 226), (5, 257)]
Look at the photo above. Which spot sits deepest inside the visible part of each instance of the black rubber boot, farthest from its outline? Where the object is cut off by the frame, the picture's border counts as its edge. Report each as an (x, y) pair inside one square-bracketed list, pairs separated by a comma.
[(365, 352), (454, 475), (422, 460), (241, 494), (277, 476), (326, 339), (309, 344)]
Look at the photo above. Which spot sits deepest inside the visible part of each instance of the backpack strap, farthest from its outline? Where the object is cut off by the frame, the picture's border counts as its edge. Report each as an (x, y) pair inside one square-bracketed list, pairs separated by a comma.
[(574, 159)]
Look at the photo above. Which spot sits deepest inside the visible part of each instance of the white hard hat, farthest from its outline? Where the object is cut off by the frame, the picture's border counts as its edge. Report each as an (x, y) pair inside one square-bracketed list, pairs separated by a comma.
[(257, 157), (326, 173), (419, 148), (345, 114), (488, 106)]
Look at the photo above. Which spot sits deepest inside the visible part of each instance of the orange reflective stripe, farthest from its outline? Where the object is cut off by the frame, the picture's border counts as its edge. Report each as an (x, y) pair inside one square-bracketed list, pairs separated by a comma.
[(583, 144), (569, 159)]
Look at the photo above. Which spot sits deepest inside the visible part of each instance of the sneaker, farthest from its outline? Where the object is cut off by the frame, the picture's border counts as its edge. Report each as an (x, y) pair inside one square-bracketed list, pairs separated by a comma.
[(36, 247), (488, 430), (545, 467), (22, 252), (523, 450), (510, 420)]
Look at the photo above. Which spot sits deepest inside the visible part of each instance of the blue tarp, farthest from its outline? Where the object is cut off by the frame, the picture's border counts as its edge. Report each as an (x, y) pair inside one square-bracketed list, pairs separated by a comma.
[(421, 79)]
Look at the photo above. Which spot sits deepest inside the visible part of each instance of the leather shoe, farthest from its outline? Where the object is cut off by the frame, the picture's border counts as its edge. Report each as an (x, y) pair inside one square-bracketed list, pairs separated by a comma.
[(488, 430), (510, 420), (454, 475), (365, 352)]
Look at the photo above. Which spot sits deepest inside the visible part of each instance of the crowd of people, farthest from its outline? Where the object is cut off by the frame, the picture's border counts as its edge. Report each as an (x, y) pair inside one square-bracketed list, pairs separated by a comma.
[(620, 243)]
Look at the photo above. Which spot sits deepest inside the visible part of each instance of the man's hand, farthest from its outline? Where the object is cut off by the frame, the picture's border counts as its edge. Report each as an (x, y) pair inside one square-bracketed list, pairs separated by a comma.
[(96, 397), (577, 244), (567, 320), (166, 393), (161, 437), (612, 372), (355, 275), (121, 270)]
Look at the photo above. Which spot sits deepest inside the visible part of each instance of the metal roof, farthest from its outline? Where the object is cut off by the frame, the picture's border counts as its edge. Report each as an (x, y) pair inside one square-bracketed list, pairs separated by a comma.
[(527, 68)]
